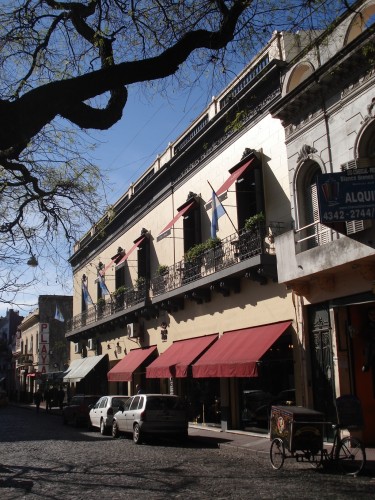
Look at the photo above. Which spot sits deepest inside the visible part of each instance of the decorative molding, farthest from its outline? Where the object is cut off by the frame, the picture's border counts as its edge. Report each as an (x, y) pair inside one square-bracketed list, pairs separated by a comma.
[(305, 152)]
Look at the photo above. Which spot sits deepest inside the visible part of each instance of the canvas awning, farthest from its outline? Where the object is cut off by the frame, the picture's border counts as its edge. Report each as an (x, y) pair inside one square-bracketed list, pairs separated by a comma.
[(236, 353), (127, 255), (175, 361), (81, 367), (181, 211), (124, 369), (233, 177)]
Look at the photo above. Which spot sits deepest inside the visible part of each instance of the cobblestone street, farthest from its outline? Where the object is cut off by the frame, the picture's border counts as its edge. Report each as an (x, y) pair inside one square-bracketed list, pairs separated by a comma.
[(43, 459)]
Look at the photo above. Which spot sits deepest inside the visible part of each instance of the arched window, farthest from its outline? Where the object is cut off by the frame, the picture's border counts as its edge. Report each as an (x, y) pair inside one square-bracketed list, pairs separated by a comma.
[(310, 232), (360, 22), (299, 74)]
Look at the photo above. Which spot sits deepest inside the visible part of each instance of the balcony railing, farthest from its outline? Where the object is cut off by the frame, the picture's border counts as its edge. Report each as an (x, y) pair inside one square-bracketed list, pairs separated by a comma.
[(314, 235), (230, 251), (116, 303)]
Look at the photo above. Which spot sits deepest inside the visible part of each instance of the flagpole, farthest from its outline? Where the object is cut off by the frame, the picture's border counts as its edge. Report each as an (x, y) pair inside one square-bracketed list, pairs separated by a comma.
[(226, 213)]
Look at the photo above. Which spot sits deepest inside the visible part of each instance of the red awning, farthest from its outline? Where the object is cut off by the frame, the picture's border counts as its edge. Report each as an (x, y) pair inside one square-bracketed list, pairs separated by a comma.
[(233, 177), (123, 371), (174, 362), (236, 353), (125, 257), (179, 214)]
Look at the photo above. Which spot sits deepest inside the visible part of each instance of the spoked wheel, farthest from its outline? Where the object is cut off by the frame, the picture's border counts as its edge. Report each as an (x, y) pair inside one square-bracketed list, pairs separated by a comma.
[(351, 456), (315, 458), (277, 453)]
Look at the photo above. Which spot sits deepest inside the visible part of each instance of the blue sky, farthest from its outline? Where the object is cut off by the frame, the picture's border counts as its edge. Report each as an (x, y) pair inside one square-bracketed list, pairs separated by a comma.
[(123, 153)]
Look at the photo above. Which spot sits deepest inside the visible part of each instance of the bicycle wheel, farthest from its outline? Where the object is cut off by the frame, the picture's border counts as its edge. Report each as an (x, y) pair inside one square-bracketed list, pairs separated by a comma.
[(315, 458), (351, 456), (277, 453)]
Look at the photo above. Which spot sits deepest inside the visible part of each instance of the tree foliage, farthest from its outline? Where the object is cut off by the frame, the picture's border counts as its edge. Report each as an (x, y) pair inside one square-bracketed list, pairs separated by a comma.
[(66, 67)]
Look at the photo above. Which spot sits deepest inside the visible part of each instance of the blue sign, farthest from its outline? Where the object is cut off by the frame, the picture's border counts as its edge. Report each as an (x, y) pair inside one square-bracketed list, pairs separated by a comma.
[(346, 196)]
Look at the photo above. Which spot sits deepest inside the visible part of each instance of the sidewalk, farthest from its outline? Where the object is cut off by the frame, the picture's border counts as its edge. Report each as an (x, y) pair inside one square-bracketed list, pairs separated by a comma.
[(253, 443)]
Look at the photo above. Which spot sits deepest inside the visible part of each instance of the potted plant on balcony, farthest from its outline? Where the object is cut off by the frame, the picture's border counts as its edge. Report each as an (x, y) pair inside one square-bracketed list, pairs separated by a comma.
[(213, 251), (100, 306), (161, 270), (119, 295), (253, 222)]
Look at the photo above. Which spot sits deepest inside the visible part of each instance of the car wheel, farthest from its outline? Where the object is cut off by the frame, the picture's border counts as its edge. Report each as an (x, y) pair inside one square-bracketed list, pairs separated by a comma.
[(137, 434), (103, 428), (115, 430)]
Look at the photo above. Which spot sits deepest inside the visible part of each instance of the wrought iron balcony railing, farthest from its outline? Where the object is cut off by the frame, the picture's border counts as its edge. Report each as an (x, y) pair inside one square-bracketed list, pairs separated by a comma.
[(228, 252), (235, 248), (117, 302)]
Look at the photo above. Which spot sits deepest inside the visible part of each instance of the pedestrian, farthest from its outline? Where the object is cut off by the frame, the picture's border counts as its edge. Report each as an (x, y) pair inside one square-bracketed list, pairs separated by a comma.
[(37, 399), (61, 396), (48, 397)]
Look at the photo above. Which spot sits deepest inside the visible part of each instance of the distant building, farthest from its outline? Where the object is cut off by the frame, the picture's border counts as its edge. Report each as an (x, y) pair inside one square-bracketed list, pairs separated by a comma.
[(41, 350), (8, 332)]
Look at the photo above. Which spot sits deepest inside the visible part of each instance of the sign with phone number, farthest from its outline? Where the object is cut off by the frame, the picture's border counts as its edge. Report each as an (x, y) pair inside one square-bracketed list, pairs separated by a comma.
[(346, 196)]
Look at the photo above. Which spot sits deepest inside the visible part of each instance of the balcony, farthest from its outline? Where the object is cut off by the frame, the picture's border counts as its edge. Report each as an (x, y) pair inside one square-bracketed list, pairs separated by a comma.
[(247, 254), (317, 249)]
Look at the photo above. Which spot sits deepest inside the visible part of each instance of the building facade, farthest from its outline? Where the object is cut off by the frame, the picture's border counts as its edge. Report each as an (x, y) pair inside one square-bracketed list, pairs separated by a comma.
[(216, 312), (41, 351), (8, 332), (328, 260)]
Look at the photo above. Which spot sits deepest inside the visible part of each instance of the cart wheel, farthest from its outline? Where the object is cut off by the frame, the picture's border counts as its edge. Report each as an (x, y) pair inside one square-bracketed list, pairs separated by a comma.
[(351, 456), (277, 453), (315, 458)]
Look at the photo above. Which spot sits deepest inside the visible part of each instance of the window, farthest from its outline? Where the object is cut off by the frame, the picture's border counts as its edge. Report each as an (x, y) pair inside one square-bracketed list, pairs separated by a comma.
[(302, 71), (192, 227), (311, 232), (361, 21), (249, 194)]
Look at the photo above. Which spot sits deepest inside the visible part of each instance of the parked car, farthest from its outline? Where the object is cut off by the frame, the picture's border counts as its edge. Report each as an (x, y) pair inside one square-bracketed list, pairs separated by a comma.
[(101, 413), (151, 415), (77, 412)]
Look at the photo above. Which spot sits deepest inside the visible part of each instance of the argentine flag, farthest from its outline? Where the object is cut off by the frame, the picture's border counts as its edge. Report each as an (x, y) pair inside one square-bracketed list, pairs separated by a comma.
[(217, 212)]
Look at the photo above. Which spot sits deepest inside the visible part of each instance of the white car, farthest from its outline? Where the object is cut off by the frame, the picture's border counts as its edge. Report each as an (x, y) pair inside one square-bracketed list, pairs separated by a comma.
[(151, 415), (101, 413)]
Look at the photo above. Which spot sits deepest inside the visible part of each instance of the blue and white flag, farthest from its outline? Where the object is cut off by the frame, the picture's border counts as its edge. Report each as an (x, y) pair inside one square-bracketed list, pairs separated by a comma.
[(217, 212), (102, 284), (85, 293), (58, 314)]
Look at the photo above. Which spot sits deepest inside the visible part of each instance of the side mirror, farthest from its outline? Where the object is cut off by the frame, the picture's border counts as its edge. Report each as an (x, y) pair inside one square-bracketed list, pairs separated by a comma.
[(121, 408)]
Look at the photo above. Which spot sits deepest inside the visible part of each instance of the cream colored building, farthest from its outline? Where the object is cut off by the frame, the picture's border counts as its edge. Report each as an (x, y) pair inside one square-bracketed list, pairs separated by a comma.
[(227, 326)]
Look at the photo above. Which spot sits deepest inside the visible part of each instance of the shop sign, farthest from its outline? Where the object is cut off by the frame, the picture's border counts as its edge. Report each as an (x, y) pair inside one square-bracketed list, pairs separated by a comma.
[(346, 196)]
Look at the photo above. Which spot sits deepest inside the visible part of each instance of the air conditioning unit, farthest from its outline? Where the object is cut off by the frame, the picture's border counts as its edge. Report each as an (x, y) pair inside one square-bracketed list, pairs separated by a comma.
[(133, 330), (90, 344), (77, 348)]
